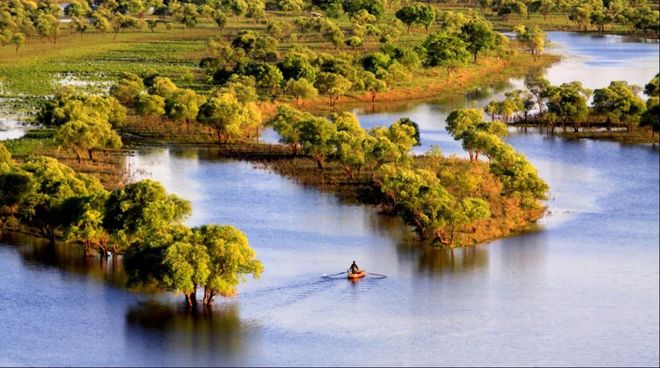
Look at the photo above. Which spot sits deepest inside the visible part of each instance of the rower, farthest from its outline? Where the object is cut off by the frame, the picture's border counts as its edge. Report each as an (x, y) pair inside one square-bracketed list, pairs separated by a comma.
[(354, 268)]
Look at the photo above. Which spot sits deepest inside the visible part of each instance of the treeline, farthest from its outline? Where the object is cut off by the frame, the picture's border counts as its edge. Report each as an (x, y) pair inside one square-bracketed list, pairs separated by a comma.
[(596, 15), (440, 203), (302, 73), (141, 220), (566, 105), (88, 123)]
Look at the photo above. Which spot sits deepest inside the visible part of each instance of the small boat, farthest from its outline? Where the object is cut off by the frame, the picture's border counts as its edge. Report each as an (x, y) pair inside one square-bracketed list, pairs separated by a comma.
[(355, 276)]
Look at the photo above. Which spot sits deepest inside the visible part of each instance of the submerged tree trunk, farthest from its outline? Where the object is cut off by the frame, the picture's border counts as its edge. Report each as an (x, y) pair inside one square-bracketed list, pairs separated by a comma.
[(209, 294), (319, 162)]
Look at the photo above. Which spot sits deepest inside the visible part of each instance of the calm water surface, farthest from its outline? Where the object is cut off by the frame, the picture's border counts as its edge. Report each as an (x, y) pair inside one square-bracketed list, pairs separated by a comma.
[(581, 290)]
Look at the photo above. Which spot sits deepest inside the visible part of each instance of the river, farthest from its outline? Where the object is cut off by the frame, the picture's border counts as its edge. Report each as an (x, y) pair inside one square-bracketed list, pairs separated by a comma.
[(582, 290)]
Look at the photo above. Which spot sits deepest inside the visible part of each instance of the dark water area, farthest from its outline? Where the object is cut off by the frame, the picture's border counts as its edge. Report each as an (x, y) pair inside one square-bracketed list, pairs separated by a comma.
[(582, 289)]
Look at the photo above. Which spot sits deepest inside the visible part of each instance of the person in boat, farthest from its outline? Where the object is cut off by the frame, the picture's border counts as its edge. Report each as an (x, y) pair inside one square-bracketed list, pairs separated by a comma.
[(354, 268)]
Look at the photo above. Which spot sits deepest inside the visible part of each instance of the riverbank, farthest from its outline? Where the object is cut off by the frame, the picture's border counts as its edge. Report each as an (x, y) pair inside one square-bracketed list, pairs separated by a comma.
[(638, 136)]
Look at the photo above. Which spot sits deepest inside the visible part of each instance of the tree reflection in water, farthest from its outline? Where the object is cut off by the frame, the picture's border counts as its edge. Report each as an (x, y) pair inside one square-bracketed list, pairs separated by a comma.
[(216, 333), (37, 252)]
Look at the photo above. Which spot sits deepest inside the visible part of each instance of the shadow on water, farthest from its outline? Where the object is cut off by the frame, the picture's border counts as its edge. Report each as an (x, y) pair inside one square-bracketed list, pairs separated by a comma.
[(217, 333), (39, 253)]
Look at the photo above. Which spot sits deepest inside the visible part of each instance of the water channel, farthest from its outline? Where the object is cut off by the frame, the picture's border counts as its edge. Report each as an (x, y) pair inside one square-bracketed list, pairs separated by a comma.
[(582, 290)]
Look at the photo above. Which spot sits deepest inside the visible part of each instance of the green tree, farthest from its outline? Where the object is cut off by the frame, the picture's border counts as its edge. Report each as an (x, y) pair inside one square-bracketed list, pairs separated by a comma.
[(539, 88), (231, 259), (141, 210), (87, 136), (543, 7), (568, 102), (442, 49), (297, 67), (127, 89), (287, 123), (334, 85), (348, 141), (619, 103), (652, 88), (83, 220), (466, 124), (220, 19), (150, 105), (48, 27), (52, 184), (373, 85), (416, 135), (479, 36), (14, 187), (532, 38), (316, 138), (184, 105), (418, 13), (300, 89), (187, 265), (651, 117)]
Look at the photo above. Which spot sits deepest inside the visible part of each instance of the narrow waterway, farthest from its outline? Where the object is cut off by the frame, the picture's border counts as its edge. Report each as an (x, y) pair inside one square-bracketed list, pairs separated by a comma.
[(582, 290)]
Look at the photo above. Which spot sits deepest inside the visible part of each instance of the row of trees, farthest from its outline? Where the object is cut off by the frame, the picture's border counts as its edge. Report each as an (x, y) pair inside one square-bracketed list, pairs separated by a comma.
[(141, 220), (303, 73), (416, 193), (591, 14), (89, 123), (618, 104)]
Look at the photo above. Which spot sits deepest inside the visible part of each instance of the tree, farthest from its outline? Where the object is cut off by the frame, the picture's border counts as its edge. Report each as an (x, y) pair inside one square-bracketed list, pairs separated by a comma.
[(619, 103), (532, 38), (348, 141), (48, 26), (230, 118), (83, 220), (569, 103), (186, 266), (127, 89), (651, 117), (231, 259), (416, 135), (14, 187), (599, 18), (52, 184), (300, 89), (296, 67), (91, 135), (478, 36), (141, 210), (287, 123), (220, 19), (443, 49), (334, 85), (544, 7), (18, 39), (316, 138), (162, 86), (538, 87), (354, 41), (652, 88), (150, 105), (418, 13), (184, 105), (187, 15), (467, 124), (373, 85), (580, 15)]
